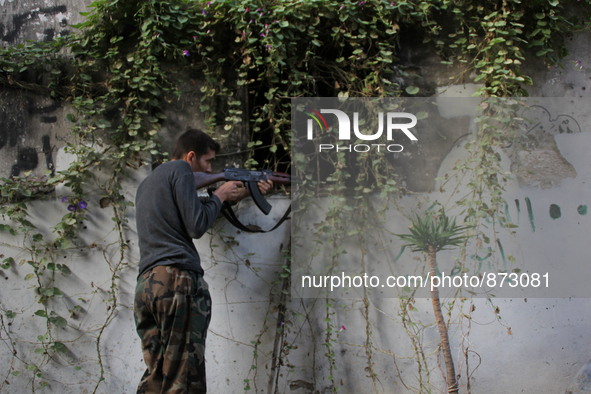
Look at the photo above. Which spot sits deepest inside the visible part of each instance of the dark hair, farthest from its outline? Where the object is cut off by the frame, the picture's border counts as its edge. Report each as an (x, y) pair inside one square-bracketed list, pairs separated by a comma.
[(194, 140)]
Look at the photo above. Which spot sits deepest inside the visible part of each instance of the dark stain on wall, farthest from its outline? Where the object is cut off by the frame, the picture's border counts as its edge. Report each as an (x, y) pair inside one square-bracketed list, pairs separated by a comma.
[(19, 22), (23, 135)]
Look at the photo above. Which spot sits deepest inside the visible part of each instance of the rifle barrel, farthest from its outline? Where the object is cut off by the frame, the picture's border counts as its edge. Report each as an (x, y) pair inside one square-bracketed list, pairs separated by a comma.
[(280, 177)]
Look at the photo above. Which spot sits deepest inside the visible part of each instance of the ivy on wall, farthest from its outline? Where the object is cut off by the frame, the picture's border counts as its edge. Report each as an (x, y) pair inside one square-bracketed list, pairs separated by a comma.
[(129, 60)]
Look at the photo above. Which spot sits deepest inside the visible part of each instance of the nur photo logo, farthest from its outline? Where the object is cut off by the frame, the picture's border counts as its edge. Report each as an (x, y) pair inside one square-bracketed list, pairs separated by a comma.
[(349, 126)]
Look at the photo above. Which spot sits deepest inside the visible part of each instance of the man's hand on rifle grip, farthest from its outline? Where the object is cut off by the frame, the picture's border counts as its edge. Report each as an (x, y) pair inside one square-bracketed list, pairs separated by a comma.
[(231, 191), (265, 186), (234, 191)]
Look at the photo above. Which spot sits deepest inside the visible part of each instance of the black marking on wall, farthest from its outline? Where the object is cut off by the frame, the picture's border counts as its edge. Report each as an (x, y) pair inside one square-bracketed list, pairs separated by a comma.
[(20, 20), (555, 211), (26, 160), (48, 119), (10, 127), (47, 152)]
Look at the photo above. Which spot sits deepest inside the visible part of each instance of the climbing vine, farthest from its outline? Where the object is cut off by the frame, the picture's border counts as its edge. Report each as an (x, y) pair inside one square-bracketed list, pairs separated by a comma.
[(130, 62)]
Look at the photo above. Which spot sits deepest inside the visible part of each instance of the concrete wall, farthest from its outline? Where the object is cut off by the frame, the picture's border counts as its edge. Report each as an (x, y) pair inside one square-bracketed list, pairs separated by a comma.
[(522, 340), (31, 127), (528, 345)]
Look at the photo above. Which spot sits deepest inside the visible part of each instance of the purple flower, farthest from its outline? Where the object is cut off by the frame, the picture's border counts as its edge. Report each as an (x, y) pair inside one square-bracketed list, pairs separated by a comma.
[(72, 207), (64, 199), (82, 204), (186, 52)]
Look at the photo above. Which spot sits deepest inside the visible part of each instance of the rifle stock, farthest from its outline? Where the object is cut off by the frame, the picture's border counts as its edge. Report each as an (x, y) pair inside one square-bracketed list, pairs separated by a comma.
[(203, 179)]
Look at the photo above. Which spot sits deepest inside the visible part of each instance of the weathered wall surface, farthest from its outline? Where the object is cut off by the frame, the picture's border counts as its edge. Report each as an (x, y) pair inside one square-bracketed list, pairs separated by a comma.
[(31, 127), (531, 346), (29, 133), (37, 20)]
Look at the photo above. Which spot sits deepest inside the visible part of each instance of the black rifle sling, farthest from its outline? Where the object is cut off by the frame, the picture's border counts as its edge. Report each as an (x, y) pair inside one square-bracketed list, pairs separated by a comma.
[(229, 214)]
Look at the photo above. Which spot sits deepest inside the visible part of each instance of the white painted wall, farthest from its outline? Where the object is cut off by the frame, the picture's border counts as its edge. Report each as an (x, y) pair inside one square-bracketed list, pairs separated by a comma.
[(531, 346), (535, 341)]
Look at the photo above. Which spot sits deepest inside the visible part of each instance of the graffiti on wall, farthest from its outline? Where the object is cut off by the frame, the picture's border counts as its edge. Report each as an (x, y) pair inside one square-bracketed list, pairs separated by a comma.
[(554, 211), (52, 22), (29, 125), (26, 133)]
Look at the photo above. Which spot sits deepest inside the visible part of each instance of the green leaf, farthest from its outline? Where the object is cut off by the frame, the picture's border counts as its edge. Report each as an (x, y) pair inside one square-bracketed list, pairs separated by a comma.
[(7, 228), (58, 321), (64, 269), (30, 276), (59, 347), (103, 124), (7, 263)]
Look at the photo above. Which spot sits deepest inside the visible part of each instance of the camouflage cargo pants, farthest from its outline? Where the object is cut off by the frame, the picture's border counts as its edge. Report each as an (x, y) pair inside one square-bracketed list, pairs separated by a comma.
[(172, 312)]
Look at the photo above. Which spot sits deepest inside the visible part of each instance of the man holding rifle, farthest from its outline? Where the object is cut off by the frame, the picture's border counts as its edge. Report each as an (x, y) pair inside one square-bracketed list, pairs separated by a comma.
[(172, 302)]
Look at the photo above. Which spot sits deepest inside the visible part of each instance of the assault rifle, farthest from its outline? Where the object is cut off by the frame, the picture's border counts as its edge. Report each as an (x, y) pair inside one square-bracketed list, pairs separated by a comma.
[(250, 179)]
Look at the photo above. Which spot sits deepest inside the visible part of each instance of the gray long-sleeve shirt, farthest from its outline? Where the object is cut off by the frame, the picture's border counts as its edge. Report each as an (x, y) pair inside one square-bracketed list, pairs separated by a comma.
[(169, 214)]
